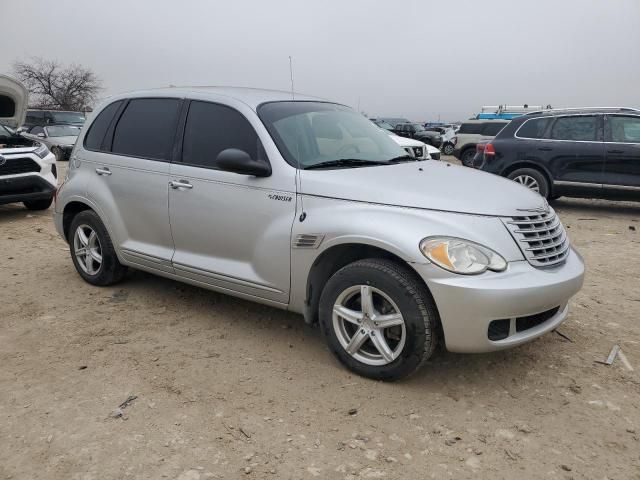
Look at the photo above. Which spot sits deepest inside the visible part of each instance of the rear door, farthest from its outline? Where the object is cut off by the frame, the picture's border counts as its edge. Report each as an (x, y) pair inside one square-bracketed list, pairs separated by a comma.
[(622, 167), (575, 153), (130, 171), (231, 231)]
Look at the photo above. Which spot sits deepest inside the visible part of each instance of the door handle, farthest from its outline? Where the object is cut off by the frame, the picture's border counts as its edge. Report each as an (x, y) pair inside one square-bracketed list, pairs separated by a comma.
[(615, 151), (103, 171), (180, 184), (545, 149)]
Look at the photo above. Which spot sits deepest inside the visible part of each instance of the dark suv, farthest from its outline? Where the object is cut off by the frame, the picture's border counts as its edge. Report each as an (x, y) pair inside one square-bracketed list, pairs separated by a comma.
[(586, 152), (418, 132)]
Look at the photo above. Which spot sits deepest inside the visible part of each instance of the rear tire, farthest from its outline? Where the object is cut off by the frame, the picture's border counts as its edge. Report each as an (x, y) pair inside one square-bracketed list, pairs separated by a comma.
[(388, 337), (467, 157), (92, 251), (38, 204), (532, 179), (58, 154), (448, 149)]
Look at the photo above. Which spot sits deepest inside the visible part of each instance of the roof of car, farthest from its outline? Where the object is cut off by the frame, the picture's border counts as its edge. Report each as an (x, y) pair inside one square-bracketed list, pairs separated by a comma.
[(488, 120), (580, 110), (253, 97)]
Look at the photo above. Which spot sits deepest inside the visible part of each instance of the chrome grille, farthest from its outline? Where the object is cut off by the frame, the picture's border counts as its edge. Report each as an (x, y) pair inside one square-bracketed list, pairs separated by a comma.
[(541, 237)]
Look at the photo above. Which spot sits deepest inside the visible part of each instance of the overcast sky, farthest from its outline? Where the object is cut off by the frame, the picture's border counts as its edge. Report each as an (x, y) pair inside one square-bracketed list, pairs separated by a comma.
[(415, 58)]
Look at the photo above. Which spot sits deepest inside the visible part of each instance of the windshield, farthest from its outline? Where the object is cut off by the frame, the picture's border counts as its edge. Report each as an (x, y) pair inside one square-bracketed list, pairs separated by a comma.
[(67, 117), (63, 131), (312, 133), (418, 126), (383, 124), (5, 132)]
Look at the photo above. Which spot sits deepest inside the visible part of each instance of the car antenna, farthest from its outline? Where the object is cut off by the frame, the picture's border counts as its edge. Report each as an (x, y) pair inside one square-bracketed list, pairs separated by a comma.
[(293, 95), (303, 215)]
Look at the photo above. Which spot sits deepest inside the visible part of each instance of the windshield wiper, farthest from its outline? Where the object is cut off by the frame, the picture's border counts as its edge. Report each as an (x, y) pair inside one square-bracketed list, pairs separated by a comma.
[(346, 162), (403, 158)]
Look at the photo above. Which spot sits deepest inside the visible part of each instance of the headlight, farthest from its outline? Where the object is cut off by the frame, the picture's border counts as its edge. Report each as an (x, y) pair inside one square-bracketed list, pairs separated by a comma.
[(42, 151), (461, 256)]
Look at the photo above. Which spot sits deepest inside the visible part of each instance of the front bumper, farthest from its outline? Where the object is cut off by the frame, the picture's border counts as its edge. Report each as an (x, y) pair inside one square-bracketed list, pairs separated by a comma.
[(25, 188), (468, 304)]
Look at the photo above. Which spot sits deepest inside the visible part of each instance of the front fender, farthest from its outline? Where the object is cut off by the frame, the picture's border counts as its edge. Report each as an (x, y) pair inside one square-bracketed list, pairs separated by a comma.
[(397, 230)]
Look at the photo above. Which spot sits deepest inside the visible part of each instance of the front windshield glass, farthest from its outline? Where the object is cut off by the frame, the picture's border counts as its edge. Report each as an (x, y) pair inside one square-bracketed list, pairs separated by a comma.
[(309, 134), (5, 132), (67, 117), (63, 131), (418, 126)]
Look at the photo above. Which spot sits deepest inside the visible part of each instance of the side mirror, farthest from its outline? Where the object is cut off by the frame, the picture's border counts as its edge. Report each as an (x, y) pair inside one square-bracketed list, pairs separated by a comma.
[(239, 161), (40, 135)]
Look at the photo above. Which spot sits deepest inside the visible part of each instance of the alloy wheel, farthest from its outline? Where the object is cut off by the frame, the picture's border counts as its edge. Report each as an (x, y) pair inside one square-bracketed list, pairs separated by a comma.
[(528, 181), (87, 249), (369, 325)]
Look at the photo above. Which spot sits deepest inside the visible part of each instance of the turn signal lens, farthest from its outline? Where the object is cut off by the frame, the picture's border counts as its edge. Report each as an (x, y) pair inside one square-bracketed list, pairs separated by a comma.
[(461, 256)]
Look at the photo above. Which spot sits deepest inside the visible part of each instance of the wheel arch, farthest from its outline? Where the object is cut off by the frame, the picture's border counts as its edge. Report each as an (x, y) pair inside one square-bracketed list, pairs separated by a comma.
[(534, 166), (72, 209), (333, 259)]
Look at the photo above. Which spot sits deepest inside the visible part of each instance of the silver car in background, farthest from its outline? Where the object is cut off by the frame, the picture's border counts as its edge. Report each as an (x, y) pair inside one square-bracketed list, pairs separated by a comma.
[(60, 139), (306, 205)]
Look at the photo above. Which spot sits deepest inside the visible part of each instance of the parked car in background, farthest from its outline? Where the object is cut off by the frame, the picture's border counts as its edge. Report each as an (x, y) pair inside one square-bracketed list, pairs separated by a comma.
[(52, 117), (446, 133), (27, 168), (471, 133), (382, 124), (416, 148), (585, 152), (305, 205), (60, 139), (417, 132), (393, 120)]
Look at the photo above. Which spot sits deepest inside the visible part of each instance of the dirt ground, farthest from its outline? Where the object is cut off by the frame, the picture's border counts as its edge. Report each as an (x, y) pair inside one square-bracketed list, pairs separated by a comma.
[(230, 389)]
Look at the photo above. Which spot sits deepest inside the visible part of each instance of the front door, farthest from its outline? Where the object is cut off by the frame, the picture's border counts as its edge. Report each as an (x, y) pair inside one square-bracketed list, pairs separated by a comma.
[(622, 166), (231, 231), (575, 154)]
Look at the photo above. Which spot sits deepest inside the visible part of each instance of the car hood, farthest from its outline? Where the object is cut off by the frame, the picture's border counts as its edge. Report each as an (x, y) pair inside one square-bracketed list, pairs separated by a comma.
[(16, 95), (429, 185), (406, 142)]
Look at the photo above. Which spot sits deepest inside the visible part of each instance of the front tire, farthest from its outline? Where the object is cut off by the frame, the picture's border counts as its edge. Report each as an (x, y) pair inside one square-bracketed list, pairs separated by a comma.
[(38, 204), (378, 319), (532, 179), (92, 251)]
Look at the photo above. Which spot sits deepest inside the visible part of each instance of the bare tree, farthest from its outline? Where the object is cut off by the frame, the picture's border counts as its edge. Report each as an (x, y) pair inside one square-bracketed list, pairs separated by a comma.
[(53, 85)]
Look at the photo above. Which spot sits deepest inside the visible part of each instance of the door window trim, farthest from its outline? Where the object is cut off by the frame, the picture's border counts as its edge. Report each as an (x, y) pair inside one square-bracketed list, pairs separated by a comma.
[(599, 127), (182, 128)]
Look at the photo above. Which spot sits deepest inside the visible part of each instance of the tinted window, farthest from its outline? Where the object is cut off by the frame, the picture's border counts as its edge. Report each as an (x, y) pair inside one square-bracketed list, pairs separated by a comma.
[(35, 117), (534, 128), (93, 140), (575, 128), (471, 128), (624, 129), (492, 129), (212, 128), (146, 128)]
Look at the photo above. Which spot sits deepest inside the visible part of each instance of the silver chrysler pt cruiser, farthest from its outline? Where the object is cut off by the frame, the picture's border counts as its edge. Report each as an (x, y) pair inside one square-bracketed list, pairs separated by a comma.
[(305, 205)]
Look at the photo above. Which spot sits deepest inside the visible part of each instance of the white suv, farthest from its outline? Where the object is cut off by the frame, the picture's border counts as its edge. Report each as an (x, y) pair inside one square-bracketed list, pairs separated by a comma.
[(27, 168)]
